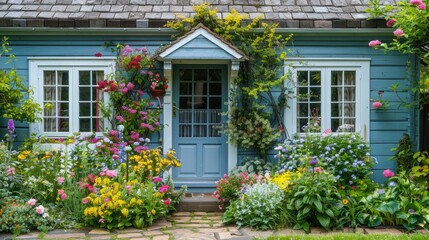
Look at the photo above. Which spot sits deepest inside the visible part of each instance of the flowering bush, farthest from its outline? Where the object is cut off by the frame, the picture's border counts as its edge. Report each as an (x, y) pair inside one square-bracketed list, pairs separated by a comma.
[(132, 204), (346, 156), (19, 217), (229, 188), (136, 74), (261, 207)]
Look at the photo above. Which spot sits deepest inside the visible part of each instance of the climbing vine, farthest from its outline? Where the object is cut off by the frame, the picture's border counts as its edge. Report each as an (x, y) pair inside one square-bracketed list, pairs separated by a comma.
[(410, 35), (258, 95)]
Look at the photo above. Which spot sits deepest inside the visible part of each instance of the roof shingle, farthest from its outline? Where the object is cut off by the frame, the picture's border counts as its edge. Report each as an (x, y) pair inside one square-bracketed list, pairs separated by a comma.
[(309, 13)]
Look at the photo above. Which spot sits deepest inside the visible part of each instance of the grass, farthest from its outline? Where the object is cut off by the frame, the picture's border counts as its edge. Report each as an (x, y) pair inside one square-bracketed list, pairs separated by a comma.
[(351, 236)]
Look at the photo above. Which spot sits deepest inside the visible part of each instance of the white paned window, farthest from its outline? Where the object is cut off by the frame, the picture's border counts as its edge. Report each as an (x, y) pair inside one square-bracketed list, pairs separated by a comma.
[(328, 94), (67, 89)]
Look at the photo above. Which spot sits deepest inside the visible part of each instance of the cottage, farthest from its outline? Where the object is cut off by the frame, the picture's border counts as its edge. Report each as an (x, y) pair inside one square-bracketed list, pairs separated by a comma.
[(55, 42)]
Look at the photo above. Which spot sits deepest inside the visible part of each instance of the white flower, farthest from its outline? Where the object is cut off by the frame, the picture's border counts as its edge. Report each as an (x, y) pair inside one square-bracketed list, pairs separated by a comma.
[(128, 149), (147, 140), (91, 146), (121, 128)]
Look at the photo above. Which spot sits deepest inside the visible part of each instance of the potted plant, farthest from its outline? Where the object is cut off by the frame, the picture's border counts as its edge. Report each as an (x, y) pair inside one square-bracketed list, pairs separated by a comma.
[(158, 85)]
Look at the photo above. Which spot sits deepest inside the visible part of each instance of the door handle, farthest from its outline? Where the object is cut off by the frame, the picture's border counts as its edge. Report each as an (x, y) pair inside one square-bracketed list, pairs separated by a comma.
[(174, 109)]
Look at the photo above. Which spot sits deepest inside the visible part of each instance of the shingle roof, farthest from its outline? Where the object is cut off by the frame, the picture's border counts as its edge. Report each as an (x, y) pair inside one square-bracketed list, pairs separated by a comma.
[(154, 13)]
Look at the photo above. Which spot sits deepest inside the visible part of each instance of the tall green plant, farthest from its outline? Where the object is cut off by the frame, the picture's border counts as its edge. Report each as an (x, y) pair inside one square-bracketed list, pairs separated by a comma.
[(253, 94), (16, 101)]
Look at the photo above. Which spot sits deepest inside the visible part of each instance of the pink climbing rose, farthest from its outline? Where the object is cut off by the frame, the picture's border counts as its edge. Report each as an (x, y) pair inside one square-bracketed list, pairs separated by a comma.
[(421, 6), (31, 202), (390, 22), (388, 173), (164, 188), (377, 105), (399, 32), (374, 43)]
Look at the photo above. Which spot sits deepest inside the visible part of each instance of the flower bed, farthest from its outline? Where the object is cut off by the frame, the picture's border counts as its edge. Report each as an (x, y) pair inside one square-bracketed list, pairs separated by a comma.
[(322, 180)]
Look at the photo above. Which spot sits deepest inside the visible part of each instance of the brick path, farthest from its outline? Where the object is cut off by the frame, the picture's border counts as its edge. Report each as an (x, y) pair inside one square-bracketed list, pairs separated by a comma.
[(182, 226)]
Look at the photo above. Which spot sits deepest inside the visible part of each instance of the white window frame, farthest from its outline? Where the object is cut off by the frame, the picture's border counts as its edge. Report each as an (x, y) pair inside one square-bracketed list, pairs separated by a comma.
[(73, 64), (362, 68)]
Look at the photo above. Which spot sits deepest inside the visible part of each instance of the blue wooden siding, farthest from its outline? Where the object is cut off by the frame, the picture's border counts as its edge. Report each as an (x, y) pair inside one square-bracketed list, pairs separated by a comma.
[(198, 49), (386, 127)]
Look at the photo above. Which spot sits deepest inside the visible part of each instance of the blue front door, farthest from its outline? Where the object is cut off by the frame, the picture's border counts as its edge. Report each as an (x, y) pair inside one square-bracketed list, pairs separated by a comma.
[(199, 96)]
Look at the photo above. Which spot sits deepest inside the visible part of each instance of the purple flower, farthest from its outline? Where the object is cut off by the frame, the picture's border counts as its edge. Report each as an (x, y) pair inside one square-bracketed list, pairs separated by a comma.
[(313, 162), (411, 211), (11, 126), (381, 191)]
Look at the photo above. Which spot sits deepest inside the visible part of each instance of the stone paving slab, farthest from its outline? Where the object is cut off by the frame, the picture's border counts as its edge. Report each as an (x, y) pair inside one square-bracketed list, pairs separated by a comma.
[(188, 226)]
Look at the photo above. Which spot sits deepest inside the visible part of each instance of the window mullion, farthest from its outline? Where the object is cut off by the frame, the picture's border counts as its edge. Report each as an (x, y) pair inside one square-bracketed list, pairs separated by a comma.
[(326, 99), (74, 100)]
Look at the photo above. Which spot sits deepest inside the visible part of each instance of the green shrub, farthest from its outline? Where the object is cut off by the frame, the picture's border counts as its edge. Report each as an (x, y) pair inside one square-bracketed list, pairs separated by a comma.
[(261, 207)]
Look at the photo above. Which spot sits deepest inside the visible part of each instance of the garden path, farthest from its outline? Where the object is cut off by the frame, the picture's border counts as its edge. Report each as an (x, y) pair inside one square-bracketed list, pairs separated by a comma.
[(182, 226)]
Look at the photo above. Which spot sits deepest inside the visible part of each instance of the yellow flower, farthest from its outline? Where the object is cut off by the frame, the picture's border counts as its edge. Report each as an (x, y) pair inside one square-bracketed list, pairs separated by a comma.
[(153, 211), (22, 156), (26, 152), (345, 201), (124, 212), (139, 202)]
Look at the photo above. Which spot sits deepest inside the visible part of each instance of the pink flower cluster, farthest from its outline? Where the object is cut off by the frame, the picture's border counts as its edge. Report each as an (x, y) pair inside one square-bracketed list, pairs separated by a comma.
[(62, 194), (109, 173), (419, 3), (377, 105), (388, 173)]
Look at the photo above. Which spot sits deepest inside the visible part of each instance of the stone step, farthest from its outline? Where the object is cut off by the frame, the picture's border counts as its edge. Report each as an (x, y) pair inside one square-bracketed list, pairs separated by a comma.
[(198, 204)]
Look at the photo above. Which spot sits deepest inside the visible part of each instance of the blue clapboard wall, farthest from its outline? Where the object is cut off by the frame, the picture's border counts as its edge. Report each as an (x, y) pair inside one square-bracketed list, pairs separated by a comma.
[(386, 127)]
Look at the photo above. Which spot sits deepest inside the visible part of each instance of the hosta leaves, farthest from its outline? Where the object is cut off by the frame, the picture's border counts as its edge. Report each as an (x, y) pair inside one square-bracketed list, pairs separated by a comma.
[(324, 220)]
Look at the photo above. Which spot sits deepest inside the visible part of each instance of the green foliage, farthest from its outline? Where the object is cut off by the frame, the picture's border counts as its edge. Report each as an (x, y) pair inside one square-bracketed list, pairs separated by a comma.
[(403, 202), (314, 199), (351, 236), (404, 154), (16, 101), (257, 79), (253, 166), (260, 207)]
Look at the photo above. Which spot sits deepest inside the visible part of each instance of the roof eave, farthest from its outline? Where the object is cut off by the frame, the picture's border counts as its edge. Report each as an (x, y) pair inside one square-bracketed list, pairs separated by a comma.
[(9, 31)]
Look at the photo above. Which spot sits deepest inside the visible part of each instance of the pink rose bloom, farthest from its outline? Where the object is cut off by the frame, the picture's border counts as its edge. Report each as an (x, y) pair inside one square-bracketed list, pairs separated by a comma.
[(156, 179), (164, 188), (127, 48), (388, 173), (132, 111), (91, 188), (32, 202), (112, 173), (85, 201), (60, 180), (167, 201), (327, 131), (113, 132), (416, 2), (377, 105), (130, 86), (63, 196), (123, 90), (374, 43), (10, 171), (140, 92), (390, 22), (40, 209), (421, 6), (398, 32), (115, 157), (61, 191), (102, 174)]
